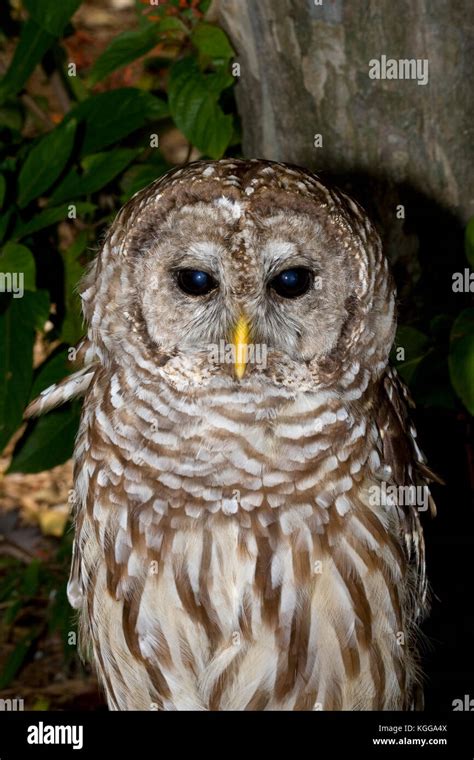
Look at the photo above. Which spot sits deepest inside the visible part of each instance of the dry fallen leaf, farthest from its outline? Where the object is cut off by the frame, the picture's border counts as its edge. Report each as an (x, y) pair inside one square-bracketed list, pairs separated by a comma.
[(53, 521)]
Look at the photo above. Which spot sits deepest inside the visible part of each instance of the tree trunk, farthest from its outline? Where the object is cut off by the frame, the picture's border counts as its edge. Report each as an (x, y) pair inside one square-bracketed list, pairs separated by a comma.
[(404, 149)]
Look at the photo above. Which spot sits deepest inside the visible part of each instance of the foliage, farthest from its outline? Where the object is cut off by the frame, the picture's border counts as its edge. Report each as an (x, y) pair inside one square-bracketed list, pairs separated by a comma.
[(34, 605), (437, 361), (63, 175)]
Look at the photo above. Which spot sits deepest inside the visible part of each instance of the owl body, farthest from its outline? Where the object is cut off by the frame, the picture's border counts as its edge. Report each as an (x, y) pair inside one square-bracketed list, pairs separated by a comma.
[(232, 548)]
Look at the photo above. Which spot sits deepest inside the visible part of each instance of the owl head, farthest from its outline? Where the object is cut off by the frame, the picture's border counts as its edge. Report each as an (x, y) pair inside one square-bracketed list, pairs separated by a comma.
[(242, 271)]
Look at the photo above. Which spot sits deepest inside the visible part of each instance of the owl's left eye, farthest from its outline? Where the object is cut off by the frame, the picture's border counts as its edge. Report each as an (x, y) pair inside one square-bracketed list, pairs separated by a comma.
[(195, 282), (292, 283)]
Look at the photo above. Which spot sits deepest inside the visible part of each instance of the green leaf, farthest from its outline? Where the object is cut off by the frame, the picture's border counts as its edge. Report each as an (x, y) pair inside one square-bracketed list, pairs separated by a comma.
[(195, 110), (73, 327), (111, 116), (430, 384), (469, 242), (52, 15), (41, 704), (413, 342), (3, 189), (49, 217), (212, 42), (172, 24), (9, 585), (17, 259), (440, 327), (30, 579), (17, 333), (461, 358), (98, 170), (139, 176), (414, 345), (54, 369), (5, 222), (45, 162), (50, 441), (218, 81), (11, 115), (9, 163), (124, 49), (35, 308), (79, 89), (32, 45), (61, 617), (12, 612), (16, 659), (408, 369)]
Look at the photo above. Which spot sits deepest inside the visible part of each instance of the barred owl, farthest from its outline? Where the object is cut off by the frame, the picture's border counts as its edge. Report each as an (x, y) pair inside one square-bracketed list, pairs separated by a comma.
[(240, 539)]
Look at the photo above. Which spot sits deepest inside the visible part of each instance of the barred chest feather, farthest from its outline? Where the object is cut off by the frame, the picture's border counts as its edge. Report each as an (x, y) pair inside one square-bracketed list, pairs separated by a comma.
[(228, 556)]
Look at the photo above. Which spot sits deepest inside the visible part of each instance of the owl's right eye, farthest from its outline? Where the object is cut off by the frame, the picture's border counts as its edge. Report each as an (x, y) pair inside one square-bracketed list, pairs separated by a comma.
[(195, 282)]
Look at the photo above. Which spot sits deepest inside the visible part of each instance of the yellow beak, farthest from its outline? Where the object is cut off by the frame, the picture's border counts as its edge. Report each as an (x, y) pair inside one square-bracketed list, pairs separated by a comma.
[(240, 341)]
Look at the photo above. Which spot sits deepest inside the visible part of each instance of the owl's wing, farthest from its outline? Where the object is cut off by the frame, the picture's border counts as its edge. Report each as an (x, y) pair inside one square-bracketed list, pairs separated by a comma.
[(73, 386), (401, 452)]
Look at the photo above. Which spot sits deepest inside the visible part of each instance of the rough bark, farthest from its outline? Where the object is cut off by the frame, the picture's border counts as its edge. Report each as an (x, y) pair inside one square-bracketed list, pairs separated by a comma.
[(305, 71)]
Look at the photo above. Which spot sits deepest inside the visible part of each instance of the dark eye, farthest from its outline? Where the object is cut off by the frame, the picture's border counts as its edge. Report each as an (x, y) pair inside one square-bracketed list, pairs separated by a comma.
[(194, 282), (292, 283)]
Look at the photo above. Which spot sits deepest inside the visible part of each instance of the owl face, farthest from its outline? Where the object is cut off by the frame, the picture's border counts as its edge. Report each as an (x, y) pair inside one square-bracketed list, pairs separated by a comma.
[(212, 265), (259, 258)]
